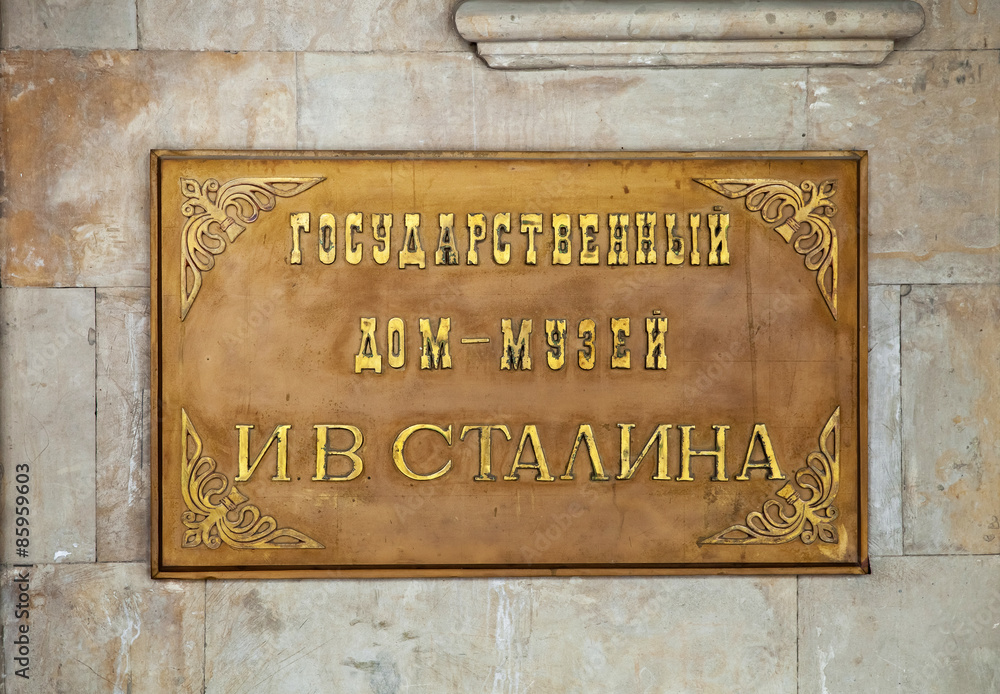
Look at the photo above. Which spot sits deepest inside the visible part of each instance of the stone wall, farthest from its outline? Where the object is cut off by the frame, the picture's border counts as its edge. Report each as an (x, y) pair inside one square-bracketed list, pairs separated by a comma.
[(90, 86)]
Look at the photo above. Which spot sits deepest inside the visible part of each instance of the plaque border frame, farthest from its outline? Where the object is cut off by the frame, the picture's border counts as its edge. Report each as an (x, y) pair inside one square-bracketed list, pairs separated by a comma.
[(158, 570)]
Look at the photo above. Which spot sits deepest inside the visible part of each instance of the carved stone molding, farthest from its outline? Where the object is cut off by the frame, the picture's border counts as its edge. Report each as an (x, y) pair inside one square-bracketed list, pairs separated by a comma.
[(532, 34)]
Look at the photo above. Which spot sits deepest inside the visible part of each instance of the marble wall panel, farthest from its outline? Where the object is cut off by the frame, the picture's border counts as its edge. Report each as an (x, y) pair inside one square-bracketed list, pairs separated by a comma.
[(502, 635), (957, 24), (47, 423), (123, 425), (929, 121), (917, 624), (951, 420), (42, 25), (77, 133)]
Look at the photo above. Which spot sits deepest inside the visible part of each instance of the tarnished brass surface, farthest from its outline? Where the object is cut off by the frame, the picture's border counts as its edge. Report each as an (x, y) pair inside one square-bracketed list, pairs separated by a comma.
[(403, 364)]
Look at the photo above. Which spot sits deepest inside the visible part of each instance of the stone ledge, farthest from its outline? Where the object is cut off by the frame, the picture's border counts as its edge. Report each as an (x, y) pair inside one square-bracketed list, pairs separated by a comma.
[(525, 34)]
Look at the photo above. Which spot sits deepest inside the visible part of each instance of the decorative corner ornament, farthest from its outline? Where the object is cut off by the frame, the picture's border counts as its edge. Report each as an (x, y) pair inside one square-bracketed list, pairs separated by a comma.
[(810, 519), (804, 211), (210, 523), (229, 207)]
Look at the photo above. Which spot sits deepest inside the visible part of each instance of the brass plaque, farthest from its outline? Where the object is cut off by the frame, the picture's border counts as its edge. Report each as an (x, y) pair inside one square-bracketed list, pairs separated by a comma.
[(459, 364)]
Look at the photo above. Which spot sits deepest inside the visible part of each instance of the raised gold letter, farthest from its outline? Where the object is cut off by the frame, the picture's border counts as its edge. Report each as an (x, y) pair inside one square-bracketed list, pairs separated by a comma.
[(477, 234), (531, 224), (485, 448), (412, 253), (368, 356), (352, 226), (675, 244), (397, 451), (656, 348), (300, 225), (382, 232), (327, 238), (621, 357), (586, 434), (628, 468), (396, 340), (589, 251), (562, 246), (770, 462), (516, 354), (501, 249), (645, 247), (323, 453), (280, 434), (719, 453), (618, 250), (718, 230), (695, 220), (555, 337), (530, 432), (435, 350), (446, 253), (587, 357)]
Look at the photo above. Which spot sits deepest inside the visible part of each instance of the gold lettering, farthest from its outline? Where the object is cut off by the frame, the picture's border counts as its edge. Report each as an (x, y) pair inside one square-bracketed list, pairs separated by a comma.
[(695, 220), (368, 357), (300, 225), (675, 244), (618, 250), (412, 252), (530, 433), (397, 451), (587, 357), (352, 226), (280, 434), (656, 348), (645, 247), (446, 253), (327, 238), (516, 355), (555, 338), (585, 434), (531, 224), (485, 448), (501, 249), (562, 247), (589, 250), (323, 453), (396, 341), (718, 229), (621, 357), (770, 462), (435, 351), (382, 233), (477, 234), (659, 436), (719, 453)]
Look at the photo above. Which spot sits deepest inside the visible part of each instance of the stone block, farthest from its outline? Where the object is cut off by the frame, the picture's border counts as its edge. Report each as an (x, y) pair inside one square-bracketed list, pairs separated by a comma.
[(455, 102), (951, 420), (299, 25), (47, 424), (123, 425), (885, 516), (78, 130), (957, 24), (107, 627), (86, 24), (565, 635), (917, 624), (929, 121)]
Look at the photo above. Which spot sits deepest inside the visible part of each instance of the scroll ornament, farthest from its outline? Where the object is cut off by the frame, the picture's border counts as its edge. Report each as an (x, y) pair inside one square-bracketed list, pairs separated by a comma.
[(217, 214), (802, 212), (807, 519), (230, 520)]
